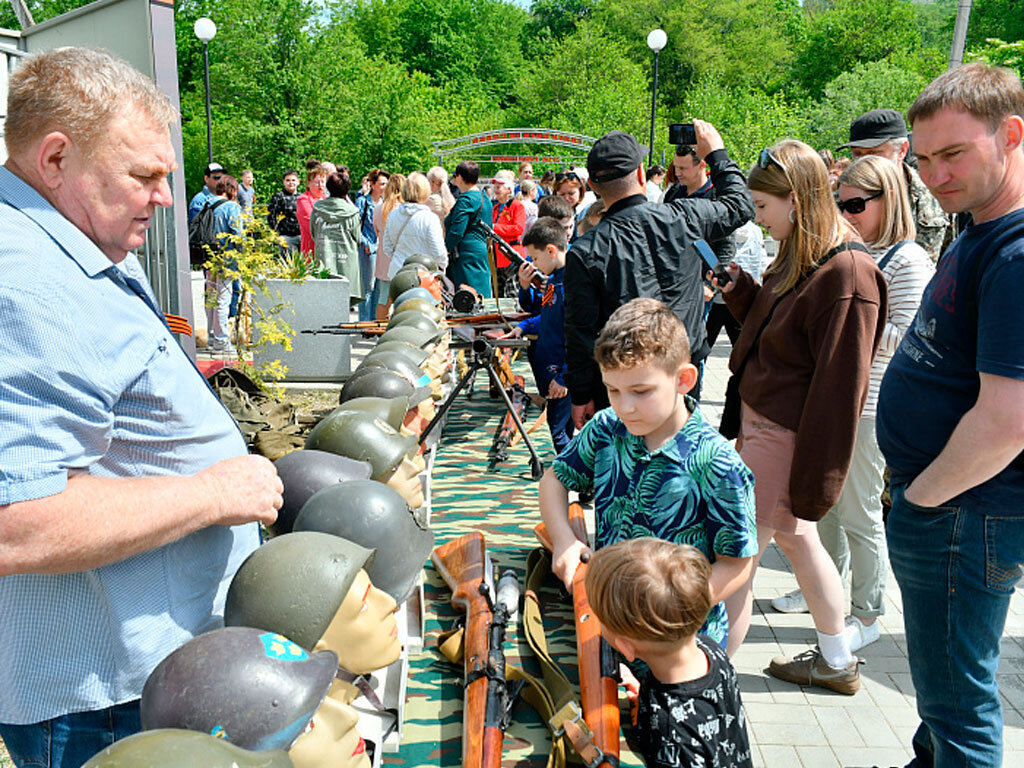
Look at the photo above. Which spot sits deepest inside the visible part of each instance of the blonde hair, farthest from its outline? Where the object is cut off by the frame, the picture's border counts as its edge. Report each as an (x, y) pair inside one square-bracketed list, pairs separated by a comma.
[(641, 332), (416, 188), (649, 589), (79, 92), (439, 175), (876, 174), (392, 194), (527, 189), (817, 225)]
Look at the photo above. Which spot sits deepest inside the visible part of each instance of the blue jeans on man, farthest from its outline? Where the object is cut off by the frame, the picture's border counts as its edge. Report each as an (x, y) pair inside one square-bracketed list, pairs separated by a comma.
[(956, 568), (367, 308), (68, 741)]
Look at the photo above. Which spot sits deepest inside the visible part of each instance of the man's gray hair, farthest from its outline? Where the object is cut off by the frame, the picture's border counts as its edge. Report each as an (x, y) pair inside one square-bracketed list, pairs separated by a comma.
[(77, 91)]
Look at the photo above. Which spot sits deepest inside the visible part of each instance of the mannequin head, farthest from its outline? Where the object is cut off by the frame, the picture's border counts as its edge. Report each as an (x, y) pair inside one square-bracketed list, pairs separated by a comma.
[(331, 740), (364, 631), (406, 480)]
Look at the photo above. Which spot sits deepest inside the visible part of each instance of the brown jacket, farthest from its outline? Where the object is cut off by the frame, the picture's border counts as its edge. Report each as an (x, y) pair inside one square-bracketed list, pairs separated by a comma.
[(810, 370)]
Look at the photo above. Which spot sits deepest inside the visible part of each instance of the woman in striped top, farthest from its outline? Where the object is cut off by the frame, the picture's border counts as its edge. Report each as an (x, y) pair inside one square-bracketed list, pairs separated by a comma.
[(873, 198)]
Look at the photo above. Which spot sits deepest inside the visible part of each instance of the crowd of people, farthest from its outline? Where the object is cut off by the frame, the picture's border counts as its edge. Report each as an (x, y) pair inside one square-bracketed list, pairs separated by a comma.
[(873, 339)]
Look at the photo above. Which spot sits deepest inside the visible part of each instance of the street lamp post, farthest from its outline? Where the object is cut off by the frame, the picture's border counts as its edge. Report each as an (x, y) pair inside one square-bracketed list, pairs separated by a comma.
[(655, 41), (205, 30)]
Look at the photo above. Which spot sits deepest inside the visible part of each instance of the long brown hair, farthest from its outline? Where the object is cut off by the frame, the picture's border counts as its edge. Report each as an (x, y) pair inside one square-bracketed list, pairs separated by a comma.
[(817, 225)]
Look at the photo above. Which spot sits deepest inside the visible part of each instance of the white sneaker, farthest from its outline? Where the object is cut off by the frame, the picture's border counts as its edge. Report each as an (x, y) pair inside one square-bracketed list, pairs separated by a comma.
[(791, 603), (860, 634)]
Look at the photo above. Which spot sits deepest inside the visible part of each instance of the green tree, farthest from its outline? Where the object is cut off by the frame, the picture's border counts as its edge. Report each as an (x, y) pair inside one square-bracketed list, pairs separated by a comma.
[(41, 10), (555, 19), (1002, 19)]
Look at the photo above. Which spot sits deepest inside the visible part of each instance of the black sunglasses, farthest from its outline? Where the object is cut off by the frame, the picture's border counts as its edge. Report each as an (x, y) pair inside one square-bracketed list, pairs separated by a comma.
[(856, 204), (766, 158), (571, 175)]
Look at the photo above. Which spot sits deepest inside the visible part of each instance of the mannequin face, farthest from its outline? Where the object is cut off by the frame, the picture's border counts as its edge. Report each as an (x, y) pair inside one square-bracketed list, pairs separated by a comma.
[(332, 740), (406, 481), (427, 410), (364, 631), (415, 423)]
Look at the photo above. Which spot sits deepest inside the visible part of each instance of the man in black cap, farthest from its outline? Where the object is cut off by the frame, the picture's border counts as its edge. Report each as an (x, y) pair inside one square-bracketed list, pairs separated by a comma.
[(883, 133), (642, 249), (211, 175)]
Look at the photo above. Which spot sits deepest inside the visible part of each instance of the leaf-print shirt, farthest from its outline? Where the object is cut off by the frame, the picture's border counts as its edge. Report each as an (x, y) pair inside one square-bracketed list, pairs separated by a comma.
[(693, 490)]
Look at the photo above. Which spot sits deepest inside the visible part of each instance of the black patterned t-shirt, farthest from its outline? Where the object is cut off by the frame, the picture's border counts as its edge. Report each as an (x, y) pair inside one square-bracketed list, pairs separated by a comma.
[(696, 724)]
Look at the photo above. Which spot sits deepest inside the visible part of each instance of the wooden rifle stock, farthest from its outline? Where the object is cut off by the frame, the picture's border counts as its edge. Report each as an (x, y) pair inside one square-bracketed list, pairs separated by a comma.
[(464, 565), (599, 693)]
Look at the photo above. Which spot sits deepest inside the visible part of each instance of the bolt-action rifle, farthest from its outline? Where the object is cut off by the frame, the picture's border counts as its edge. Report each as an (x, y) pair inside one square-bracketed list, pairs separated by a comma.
[(599, 695), (466, 567), (510, 253)]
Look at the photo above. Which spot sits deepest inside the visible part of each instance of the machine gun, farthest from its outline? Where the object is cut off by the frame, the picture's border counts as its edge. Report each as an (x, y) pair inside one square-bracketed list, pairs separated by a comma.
[(516, 387), (598, 663), (510, 253), (466, 567)]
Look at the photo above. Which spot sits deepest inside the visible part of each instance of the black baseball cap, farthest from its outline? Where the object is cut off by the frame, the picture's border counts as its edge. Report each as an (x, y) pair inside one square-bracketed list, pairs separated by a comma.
[(877, 126), (213, 168), (613, 156)]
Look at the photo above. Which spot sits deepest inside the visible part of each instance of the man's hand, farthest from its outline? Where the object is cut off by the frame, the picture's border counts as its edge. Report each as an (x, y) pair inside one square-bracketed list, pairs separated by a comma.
[(515, 333), (708, 138), (564, 562), (556, 390), (526, 272), (581, 414), (246, 488)]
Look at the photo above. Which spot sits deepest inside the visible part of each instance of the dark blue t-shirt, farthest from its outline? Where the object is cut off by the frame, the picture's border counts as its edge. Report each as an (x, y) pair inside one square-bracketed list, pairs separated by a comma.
[(933, 381)]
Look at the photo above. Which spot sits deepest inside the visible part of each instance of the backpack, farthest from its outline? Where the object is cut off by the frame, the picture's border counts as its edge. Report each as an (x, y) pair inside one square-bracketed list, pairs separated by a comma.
[(202, 234)]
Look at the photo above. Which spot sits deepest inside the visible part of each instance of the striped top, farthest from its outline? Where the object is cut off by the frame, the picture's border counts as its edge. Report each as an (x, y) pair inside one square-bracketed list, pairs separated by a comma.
[(92, 380), (907, 275)]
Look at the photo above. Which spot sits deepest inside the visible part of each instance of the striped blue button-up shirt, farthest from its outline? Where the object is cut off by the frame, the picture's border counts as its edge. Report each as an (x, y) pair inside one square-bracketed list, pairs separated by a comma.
[(92, 381)]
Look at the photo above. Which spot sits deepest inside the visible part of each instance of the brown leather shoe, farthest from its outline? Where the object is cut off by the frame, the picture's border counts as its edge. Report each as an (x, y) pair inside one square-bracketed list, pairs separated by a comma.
[(809, 668)]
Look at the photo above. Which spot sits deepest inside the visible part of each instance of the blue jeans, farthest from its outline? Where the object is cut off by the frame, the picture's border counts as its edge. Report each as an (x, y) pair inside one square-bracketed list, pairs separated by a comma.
[(367, 308), (560, 422), (956, 569), (68, 741)]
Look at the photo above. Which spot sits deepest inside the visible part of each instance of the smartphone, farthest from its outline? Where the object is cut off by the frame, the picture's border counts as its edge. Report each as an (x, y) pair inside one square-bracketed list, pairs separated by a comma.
[(711, 260), (682, 133)]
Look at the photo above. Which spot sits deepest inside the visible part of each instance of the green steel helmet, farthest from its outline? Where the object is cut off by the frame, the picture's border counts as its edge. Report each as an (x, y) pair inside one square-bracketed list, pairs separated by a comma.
[(415, 320), (416, 293), (423, 307), (398, 363), (294, 584), (415, 354), (303, 473), (409, 276), (174, 748), (363, 437), (253, 687), (392, 410), (374, 515), (414, 336), (380, 382), (422, 259)]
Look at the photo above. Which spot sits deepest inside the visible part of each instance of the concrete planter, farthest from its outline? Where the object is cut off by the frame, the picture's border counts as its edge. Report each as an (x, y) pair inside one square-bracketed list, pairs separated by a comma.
[(310, 305)]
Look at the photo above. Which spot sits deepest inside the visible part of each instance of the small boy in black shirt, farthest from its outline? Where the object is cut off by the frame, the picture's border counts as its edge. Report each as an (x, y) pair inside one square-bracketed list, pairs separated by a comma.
[(651, 597)]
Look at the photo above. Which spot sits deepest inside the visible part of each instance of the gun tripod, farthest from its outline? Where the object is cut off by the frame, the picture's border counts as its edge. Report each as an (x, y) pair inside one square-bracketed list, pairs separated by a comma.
[(481, 357)]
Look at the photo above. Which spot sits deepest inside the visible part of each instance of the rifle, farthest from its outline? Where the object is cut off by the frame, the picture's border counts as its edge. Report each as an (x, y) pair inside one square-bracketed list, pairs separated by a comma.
[(510, 253), (465, 565), (599, 693), (377, 327)]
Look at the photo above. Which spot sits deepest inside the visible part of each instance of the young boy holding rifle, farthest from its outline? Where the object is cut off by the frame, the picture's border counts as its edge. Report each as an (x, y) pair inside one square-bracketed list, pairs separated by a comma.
[(654, 465), (651, 597)]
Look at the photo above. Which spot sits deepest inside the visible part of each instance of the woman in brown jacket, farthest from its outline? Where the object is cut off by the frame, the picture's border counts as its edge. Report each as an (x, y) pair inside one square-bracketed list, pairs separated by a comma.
[(822, 309)]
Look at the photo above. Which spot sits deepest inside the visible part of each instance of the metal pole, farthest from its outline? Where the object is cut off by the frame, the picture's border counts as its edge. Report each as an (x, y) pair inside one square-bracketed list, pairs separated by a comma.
[(654, 104), (963, 16), (209, 129)]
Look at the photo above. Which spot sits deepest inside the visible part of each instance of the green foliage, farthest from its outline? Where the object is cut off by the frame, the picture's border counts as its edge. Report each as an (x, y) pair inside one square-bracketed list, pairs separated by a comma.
[(1000, 54), (552, 20), (1001, 19), (41, 10)]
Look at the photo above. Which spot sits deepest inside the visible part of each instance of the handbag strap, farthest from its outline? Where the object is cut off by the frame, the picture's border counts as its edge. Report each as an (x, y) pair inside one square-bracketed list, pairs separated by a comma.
[(846, 246), (884, 261)]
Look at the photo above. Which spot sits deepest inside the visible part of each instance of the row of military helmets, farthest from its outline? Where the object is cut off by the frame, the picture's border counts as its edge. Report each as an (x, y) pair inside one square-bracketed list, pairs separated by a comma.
[(313, 609)]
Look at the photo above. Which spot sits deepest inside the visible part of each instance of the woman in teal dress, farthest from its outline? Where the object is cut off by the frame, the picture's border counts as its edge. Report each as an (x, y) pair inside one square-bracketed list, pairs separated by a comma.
[(467, 245)]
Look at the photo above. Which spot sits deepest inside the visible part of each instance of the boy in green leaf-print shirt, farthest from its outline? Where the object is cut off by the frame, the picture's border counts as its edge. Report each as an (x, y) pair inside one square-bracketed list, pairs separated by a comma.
[(654, 465)]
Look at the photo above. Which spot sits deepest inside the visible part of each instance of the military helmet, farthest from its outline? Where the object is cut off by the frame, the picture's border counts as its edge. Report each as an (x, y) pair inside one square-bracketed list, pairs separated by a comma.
[(363, 437), (253, 687), (411, 276), (415, 354), (423, 259), (374, 515), (423, 307), (174, 748), (398, 363), (410, 335), (374, 381), (392, 410), (414, 319), (294, 585), (303, 473), (417, 292)]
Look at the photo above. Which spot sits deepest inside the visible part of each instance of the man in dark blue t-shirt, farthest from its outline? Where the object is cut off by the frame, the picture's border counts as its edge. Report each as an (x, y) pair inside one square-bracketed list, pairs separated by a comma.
[(951, 419)]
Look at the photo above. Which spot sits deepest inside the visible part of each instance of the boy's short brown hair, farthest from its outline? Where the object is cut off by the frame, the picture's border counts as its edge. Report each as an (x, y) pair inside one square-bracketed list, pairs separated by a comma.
[(649, 589), (640, 332)]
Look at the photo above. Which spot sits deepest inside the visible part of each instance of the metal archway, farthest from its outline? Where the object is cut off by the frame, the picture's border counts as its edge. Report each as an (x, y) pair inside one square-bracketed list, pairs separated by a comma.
[(467, 147)]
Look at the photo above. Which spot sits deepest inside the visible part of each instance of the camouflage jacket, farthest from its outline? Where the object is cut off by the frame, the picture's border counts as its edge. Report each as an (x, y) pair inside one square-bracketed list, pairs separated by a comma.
[(933, 229)]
